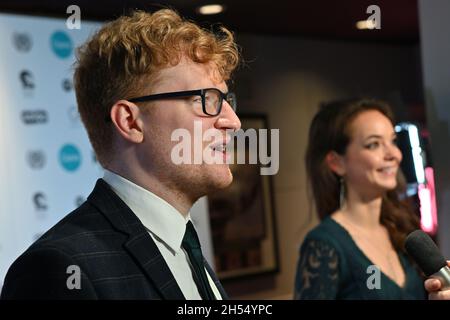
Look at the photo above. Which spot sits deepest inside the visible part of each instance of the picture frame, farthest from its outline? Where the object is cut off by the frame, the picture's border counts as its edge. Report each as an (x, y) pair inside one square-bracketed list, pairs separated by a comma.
[(242, 216)]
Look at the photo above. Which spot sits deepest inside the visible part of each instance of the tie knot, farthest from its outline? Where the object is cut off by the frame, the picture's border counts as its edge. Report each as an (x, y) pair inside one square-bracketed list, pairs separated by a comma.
[(190, 239)]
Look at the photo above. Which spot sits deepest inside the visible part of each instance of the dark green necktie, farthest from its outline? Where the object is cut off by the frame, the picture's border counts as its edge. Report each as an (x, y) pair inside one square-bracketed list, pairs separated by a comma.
[(192, 246)]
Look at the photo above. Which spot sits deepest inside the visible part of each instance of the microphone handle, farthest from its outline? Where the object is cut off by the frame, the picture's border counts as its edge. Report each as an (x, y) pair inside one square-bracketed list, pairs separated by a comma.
[(443, 275)]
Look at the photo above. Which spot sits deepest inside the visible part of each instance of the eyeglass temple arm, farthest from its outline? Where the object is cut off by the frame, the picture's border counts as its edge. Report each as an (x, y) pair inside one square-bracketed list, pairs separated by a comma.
[(167, 95)]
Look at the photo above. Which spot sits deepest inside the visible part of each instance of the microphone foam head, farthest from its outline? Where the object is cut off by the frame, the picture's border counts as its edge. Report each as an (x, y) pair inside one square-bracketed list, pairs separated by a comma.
[(424, 251)]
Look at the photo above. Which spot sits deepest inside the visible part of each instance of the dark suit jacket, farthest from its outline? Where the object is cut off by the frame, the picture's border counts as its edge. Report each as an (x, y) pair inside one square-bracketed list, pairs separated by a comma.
[(117, 257)]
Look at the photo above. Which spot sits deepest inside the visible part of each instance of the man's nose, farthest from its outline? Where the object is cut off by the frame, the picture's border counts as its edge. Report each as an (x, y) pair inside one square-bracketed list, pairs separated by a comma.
[(227, 118)]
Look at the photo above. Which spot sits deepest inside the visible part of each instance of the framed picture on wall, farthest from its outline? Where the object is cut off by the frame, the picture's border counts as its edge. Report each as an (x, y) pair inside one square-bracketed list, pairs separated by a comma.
[(242, 216)]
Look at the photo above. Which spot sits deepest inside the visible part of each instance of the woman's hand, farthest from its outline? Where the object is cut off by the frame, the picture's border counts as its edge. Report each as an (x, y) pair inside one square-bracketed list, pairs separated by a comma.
[(433, 286)]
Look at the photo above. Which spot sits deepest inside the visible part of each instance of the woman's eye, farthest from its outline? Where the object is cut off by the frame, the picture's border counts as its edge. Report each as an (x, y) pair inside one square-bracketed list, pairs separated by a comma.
[(372, 145)]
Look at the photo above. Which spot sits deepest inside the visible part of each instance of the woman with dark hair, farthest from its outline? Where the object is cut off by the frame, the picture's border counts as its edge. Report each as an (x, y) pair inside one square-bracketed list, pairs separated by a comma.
[(356, 252)]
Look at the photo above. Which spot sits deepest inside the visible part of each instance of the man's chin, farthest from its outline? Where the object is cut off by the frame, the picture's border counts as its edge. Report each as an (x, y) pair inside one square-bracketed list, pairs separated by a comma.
[(222, 177)]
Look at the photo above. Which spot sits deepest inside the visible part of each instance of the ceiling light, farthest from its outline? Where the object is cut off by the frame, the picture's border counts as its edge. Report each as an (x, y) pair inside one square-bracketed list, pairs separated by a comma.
[(211, 9), (366, 24)]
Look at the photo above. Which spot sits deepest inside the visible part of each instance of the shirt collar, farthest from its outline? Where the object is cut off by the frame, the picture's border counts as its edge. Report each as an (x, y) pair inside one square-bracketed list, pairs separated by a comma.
[(157, 215)]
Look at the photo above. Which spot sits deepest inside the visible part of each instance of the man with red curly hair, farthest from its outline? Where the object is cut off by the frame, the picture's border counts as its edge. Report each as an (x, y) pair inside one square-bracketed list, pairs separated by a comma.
[(137, 80)]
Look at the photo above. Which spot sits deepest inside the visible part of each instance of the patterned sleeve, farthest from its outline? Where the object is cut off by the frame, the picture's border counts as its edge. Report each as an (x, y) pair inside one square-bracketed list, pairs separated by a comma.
[(317, 271)]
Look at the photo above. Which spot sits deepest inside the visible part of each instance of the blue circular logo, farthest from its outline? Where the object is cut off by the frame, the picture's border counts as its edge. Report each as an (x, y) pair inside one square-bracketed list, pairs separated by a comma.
[(70, 157), (61, 44)]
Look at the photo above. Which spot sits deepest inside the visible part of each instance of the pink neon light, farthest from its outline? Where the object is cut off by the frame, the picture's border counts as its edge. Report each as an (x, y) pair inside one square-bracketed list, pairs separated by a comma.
[(428, 208)]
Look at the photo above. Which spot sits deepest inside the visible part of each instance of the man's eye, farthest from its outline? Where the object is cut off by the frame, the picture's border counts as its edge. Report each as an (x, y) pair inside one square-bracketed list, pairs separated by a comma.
[(197, 100)]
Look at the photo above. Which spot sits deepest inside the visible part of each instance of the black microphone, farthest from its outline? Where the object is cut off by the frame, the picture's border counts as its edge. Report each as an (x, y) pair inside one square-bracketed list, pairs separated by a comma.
[(427, 255)]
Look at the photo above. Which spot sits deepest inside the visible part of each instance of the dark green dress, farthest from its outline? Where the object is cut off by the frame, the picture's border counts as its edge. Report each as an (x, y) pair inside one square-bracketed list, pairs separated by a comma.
[(331, 266)]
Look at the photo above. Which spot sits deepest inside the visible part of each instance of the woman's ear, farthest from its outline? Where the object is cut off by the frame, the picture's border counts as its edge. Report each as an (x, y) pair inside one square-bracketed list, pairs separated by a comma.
[(335, 162)]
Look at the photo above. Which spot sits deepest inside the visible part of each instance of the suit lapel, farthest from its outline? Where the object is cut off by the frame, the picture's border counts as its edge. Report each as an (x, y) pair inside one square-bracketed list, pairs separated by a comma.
[(139, 244), (215, 280), (143, 248)]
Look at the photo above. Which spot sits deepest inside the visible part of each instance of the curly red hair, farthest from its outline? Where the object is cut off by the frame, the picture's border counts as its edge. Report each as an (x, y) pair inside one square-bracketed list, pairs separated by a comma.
[(120, 60)]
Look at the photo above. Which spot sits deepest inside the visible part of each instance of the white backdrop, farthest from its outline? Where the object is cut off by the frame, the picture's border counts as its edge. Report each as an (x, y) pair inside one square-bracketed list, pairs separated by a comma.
[(47, 165)]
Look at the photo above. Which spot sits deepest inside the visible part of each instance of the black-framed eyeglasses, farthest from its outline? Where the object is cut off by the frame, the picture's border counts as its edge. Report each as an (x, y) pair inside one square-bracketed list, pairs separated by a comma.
[(210, 98)]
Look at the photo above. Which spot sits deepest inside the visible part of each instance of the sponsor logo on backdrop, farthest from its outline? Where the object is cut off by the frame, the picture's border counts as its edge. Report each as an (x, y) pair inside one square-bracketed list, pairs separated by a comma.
[(22, 41), (61, 44), (79, 200), (70, 157), (37, 236), (30, 117), (40, 201), (36, 159), (67, 85), (74, 116), (26, 78)]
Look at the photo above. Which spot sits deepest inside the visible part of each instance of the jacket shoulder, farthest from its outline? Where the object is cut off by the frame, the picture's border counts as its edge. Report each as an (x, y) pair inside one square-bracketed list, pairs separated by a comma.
[(77, 231)]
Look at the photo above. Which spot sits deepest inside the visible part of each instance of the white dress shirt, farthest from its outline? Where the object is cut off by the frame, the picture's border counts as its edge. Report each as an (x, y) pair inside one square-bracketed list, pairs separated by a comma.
[(166, 225)]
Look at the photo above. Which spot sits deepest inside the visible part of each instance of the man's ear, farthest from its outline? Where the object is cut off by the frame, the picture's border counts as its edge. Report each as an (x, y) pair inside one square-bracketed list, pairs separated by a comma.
[(126, 118), (335, 162)]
